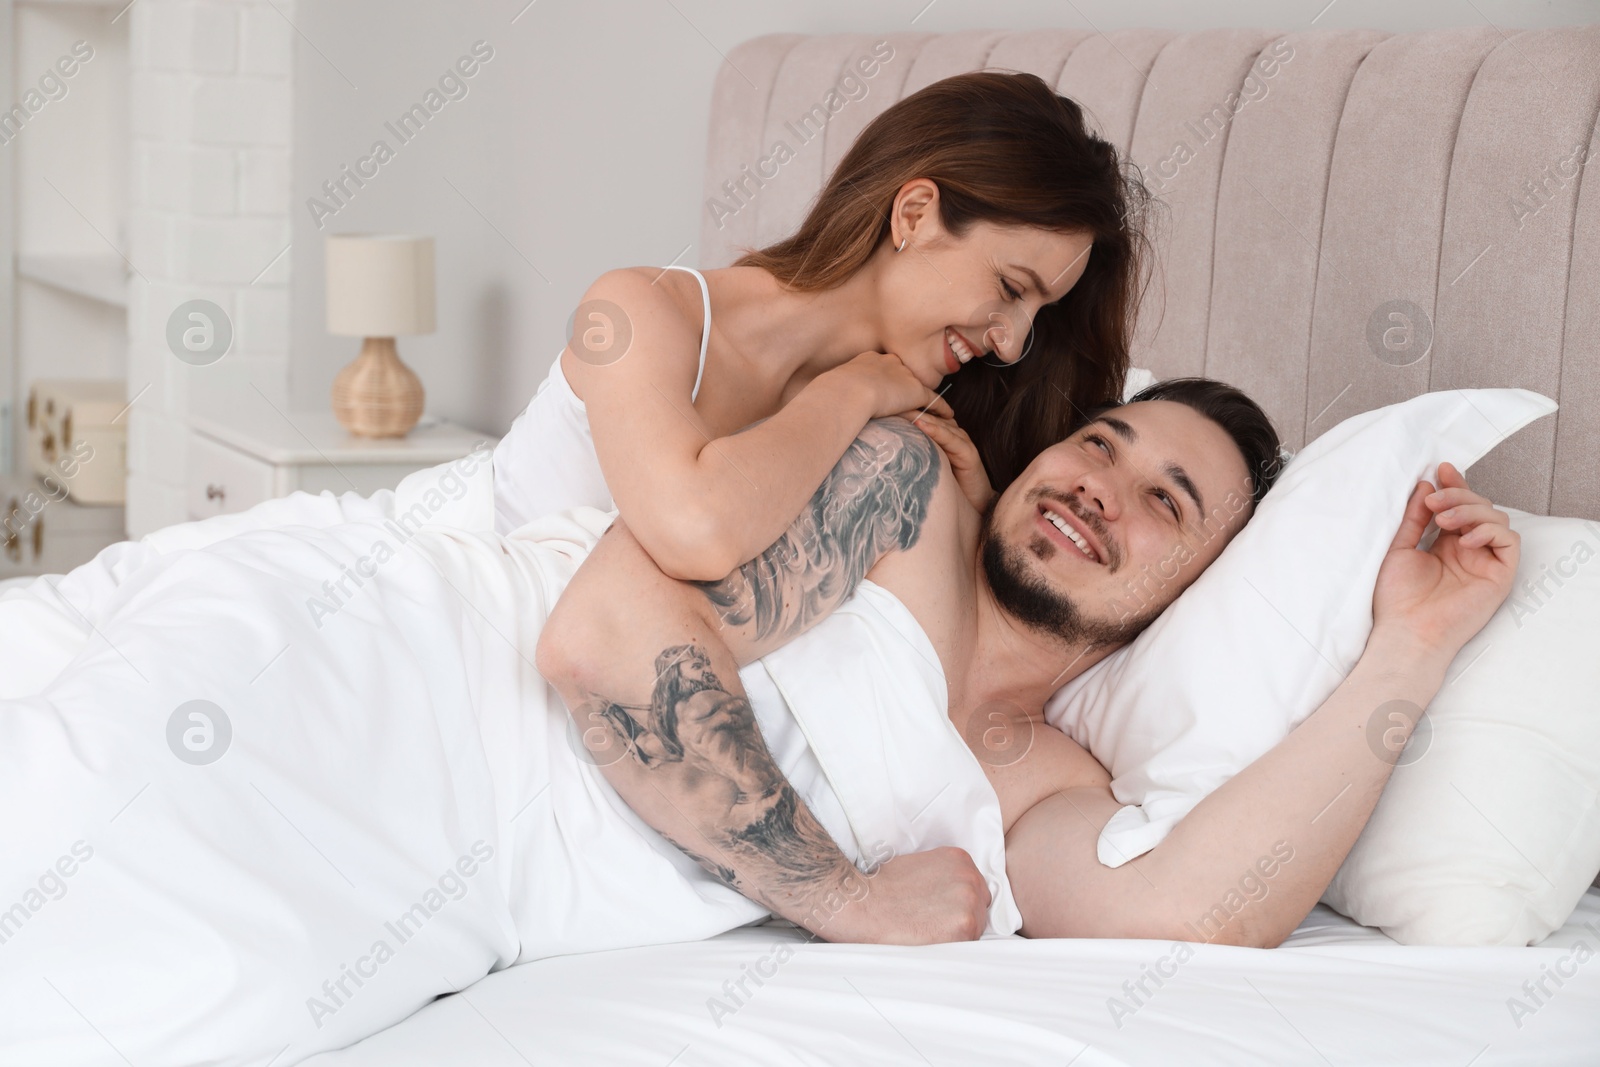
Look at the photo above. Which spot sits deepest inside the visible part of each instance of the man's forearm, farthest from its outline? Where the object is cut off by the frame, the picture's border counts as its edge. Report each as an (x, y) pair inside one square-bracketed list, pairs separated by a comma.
[(1307, 799), (677, 738), (648, 667)]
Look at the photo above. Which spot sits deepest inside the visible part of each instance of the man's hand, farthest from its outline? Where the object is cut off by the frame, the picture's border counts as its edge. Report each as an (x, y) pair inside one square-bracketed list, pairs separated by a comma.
[(1441, 597), (925, 898)]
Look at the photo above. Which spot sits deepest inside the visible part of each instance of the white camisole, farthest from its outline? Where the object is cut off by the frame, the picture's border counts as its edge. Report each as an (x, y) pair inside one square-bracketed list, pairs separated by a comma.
[(546, 462)]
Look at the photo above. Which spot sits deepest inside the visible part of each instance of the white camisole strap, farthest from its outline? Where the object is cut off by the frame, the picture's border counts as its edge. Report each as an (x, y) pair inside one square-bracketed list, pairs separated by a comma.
[(705, 329)]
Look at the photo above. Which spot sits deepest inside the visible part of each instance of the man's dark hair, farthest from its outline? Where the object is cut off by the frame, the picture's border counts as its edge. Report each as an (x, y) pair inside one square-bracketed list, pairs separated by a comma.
[(1229, 408)]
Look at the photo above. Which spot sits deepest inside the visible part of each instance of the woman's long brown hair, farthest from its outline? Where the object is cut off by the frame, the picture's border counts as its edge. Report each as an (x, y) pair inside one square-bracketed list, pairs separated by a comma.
[(1006, 149)]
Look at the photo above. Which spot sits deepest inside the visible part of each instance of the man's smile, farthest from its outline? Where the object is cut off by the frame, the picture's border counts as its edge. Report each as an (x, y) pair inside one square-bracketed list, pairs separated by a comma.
[(1063, 526)]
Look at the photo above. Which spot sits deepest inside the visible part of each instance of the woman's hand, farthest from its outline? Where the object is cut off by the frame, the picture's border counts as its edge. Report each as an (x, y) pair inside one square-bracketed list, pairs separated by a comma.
[(1445, 595), (890, 384), (958, 448)]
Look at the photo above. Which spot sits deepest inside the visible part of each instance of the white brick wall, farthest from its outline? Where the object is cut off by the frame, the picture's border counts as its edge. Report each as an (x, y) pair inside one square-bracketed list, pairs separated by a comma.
[(263, 180), (246, 110), (208, 217), (178, 178)]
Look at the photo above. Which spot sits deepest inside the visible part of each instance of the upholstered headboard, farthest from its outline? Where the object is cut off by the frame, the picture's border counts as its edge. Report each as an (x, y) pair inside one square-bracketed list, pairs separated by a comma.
[(1355, 217)]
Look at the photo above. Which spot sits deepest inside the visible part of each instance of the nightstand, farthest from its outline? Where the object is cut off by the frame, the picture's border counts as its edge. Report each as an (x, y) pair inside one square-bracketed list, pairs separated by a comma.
[(237, 464)]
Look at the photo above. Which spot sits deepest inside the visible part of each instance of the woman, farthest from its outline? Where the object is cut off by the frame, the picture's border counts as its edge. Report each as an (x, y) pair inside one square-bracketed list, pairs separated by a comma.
[(960, 217)]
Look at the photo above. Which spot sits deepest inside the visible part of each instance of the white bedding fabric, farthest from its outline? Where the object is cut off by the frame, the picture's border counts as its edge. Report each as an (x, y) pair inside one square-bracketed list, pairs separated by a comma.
[(400, 808), (333, 813), (1334, 993), (1488, 832)]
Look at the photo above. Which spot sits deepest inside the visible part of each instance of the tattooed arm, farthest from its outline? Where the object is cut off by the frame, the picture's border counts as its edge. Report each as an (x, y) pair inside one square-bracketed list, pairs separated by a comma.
[(649, 668)]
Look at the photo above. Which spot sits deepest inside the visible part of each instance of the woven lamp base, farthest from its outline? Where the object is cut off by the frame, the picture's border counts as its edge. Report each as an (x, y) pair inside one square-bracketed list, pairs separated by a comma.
[(377, 395)]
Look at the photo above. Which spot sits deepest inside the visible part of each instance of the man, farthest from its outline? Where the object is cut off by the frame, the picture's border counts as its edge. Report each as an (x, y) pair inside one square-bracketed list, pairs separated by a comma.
[(1016, 601)]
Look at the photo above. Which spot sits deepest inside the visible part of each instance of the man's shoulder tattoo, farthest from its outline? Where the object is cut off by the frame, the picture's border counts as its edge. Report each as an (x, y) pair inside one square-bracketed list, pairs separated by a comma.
[(874, 501)]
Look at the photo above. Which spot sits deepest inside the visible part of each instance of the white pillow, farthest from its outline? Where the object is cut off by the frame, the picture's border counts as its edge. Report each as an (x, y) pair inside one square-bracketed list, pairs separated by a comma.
[(1137, 379), (1488, 833), (1261, 638)]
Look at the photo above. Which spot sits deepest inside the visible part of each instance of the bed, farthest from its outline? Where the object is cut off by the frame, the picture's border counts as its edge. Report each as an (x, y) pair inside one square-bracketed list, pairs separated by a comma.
[(1334, 993), (1357, 218), (1433, 176)]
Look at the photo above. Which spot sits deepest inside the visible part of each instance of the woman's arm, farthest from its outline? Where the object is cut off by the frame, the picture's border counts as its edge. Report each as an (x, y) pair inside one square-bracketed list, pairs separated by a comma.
[(1252, 859), (699, 504), (648, 667)]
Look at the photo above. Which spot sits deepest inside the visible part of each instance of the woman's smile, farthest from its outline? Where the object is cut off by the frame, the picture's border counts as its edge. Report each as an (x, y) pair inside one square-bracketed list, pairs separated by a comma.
[(956, 350)]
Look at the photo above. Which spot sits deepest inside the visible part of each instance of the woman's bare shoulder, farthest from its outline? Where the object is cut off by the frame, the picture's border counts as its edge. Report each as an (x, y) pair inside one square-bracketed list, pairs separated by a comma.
[(632, 310), (660, 297)]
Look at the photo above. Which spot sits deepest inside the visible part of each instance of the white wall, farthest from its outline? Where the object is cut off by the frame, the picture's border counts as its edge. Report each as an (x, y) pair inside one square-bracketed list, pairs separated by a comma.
[(208, 204), (580, 146)]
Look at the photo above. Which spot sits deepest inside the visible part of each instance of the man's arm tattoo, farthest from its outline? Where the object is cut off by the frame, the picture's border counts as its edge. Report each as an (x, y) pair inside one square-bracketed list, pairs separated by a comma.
[(757, 818), (700, 740), (874, 501)]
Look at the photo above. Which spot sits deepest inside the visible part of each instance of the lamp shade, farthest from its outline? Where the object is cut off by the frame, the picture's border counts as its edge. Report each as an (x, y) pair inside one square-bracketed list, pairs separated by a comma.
[(379, 285)]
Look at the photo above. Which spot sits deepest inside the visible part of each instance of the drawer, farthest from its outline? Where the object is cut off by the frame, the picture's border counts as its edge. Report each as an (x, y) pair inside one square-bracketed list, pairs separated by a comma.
[(40, 533), (72, 437), (223, 480)]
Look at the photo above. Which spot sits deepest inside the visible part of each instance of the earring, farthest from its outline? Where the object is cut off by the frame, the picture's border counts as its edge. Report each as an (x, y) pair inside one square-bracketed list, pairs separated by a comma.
[(902, 247)]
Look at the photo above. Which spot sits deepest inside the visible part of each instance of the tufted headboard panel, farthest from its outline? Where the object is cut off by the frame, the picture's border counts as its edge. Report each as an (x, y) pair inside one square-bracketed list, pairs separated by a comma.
[(1354, 217)]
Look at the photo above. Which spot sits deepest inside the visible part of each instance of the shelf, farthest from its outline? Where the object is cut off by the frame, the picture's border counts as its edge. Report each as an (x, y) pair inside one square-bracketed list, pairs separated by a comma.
[(102, 278)]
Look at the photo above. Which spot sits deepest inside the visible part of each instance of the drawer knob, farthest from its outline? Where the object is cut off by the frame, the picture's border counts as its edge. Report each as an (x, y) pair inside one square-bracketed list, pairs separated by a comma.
[(13, 543), (216, 492)]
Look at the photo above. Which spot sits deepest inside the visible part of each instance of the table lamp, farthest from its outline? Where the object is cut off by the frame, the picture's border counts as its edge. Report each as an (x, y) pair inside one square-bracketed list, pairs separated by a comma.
[(379, 287)]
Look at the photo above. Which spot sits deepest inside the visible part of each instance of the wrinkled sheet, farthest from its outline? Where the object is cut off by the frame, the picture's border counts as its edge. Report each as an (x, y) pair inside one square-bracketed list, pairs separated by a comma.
[(1333, 993)]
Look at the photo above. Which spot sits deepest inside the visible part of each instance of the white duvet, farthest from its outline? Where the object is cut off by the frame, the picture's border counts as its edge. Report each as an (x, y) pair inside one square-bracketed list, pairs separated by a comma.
[(272, 782)]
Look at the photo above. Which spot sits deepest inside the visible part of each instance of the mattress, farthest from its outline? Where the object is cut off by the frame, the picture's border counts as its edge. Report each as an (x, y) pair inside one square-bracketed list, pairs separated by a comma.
[(1334, 993)]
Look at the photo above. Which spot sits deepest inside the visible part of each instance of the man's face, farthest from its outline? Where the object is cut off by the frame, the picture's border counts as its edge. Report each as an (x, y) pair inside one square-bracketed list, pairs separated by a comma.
[(1154, 491)]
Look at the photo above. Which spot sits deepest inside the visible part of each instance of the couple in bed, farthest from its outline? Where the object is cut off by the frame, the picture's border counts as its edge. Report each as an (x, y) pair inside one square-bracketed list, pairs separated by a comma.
[(976, 219), (798, 459)]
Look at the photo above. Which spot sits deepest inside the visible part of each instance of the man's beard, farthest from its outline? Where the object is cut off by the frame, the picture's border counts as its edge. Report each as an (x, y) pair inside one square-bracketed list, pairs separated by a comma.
[(1029, 599)]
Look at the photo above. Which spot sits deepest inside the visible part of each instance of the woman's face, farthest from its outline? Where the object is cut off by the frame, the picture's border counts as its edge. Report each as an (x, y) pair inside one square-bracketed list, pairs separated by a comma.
[(946, 300)]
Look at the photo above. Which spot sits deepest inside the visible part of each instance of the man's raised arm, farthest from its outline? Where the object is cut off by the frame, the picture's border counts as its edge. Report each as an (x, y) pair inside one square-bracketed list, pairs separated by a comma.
[(648, 666), (1251, 860)]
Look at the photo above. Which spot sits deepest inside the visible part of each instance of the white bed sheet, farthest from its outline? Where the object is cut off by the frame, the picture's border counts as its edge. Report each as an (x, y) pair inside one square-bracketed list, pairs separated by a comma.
[(1335, 993)]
